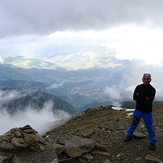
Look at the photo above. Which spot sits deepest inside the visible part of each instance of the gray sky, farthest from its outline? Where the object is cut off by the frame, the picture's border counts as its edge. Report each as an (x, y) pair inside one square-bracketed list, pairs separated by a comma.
[(45, 17), (132, 27)]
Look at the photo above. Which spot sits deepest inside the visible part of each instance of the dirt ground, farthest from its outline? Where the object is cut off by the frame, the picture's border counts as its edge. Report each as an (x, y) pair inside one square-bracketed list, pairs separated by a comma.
[(109, 129)]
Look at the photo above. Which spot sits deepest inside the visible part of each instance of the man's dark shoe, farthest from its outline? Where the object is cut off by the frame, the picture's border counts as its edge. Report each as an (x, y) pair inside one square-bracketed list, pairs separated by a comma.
[(152, 146), (128, 138)]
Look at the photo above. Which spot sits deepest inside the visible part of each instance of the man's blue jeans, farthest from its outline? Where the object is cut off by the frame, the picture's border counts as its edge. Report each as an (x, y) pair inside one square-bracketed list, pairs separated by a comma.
[(148, 120)]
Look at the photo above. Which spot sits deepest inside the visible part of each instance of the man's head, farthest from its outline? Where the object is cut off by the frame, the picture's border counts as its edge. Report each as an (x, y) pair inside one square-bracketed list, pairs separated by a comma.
[(146, 78)]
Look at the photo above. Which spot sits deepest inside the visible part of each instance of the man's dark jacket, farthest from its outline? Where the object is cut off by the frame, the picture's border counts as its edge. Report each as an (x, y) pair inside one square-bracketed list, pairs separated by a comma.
[(144, 96)]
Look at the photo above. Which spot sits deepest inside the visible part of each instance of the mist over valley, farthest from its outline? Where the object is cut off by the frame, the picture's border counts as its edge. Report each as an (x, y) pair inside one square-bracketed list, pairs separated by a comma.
[(38, 87)]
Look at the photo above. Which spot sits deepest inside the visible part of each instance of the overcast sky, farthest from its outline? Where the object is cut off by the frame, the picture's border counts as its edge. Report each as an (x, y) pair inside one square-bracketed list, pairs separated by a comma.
[(133, 28)]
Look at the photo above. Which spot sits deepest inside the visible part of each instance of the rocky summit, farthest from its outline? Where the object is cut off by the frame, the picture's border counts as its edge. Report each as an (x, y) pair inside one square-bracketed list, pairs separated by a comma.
[(97, 136), (25, 145)]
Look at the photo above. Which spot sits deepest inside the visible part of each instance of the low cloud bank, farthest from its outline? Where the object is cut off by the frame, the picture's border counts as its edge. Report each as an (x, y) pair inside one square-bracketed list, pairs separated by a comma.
[(133, 77), (1, 60), (42, 121), (55, 85)]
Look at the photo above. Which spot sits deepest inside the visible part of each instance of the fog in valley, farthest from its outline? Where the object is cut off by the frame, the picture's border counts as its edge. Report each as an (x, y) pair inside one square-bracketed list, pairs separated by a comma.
[(132, 78), (45, 119), (41, 120)]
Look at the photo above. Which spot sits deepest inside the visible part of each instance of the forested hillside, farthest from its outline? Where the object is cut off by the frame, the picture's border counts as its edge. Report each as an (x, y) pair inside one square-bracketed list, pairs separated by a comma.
[(14, 100)]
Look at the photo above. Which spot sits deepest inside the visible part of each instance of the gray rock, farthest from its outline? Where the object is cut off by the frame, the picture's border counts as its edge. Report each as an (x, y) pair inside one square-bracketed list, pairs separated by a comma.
[(25, 145), (77, 146), (138, 159), (9, 147), (102, 148), (10, 159), (82, 161), (19, 142), (65, 160), (87, 134), (102, 153), (107, 161), (18, 134), (139, 135), (59, 148), (152, 159), (88, 157)]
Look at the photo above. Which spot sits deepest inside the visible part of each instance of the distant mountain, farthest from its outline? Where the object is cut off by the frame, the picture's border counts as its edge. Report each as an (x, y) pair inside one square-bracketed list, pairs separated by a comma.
[(131, 104), (95, 104), (24, 62), (86, 58), (77, 87), (13, 100), (10, 72), (83, 58), (78, 78), (23, 84)]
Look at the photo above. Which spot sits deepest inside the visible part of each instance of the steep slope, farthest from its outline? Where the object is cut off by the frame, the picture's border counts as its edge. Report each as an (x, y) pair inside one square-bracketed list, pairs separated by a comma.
[(107, 127), (24, 84), (13, 100)]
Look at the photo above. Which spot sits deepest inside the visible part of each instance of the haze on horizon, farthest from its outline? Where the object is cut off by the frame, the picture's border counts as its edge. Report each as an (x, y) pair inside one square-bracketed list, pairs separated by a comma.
[(34, 28)]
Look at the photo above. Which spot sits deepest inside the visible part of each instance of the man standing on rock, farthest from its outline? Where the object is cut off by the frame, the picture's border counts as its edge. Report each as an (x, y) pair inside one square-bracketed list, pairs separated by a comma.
[(143, 95)]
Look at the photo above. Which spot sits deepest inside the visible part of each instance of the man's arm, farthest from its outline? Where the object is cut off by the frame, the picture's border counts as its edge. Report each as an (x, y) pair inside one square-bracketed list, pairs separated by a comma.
[(137, 96), (152, 96)]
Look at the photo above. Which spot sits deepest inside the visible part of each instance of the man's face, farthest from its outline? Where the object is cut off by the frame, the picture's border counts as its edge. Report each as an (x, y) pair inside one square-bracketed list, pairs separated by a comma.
[(146, 80)]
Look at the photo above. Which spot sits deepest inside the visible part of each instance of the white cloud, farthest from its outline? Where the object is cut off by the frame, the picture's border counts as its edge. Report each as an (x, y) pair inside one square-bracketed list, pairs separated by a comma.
[(1, 60), (55, 85), (129, 80), (113, 92), (9, 95), (128, 41), (139, 43), (45, 17), (42, 121), (130, 88), (134, 77)]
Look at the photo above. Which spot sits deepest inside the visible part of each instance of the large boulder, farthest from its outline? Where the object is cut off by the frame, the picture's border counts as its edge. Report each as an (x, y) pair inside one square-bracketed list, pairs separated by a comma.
[(78, 146), (25, 145)]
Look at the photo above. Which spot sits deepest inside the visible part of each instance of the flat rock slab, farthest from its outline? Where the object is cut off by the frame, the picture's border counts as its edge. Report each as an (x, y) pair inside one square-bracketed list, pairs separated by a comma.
[(77, 146), (139, 135), (152, 159)]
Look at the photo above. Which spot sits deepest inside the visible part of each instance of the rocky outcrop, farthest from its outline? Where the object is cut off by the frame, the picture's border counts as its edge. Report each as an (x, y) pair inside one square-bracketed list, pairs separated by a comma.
[(152, 159), (74, 147), (77, 146), (106, 128), (25, 145)]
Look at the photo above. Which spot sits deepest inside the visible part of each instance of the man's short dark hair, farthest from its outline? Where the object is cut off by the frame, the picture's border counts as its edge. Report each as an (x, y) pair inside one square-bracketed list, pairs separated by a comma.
[(147, 74)]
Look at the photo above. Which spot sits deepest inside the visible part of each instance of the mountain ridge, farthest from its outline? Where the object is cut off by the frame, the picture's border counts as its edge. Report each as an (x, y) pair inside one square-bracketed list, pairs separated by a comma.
[(83, 58), (79, 86), (14, 100)]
